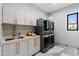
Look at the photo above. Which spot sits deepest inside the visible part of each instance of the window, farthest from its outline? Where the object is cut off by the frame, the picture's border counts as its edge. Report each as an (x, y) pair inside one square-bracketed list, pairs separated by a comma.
[(72, 22)]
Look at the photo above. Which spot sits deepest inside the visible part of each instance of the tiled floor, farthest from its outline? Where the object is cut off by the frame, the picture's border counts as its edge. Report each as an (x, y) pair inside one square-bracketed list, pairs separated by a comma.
[(60, 50)]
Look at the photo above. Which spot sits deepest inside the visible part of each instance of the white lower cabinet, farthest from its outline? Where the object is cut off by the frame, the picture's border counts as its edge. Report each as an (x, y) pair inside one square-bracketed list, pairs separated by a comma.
[(9, 49), (31, 46), (22, 48), (34, 46), (37, 44), (0, 50)]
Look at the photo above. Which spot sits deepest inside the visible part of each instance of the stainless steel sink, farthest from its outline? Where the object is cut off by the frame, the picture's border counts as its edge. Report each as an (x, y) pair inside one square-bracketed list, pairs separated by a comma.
[(20, 37), (9, 39)]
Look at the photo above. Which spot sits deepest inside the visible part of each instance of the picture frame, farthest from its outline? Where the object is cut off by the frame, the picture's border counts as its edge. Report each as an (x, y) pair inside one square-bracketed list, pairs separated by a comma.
[(72, 22)]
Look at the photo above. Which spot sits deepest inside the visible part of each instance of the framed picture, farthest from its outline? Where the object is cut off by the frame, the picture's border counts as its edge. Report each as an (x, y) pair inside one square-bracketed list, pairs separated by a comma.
[(72, 22)]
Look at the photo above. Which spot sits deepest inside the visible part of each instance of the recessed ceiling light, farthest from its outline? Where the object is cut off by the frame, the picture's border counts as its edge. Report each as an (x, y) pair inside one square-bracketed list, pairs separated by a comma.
[(54, 4)]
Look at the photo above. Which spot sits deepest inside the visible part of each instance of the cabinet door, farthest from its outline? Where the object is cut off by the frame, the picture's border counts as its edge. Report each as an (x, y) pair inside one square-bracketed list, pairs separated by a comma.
[(0, 14), (22, 48), (33, 21), (20, 15), (37, 44), (30, 19), (0, 50), (8, 13), (27, 19), (9, 49), (32, 46)]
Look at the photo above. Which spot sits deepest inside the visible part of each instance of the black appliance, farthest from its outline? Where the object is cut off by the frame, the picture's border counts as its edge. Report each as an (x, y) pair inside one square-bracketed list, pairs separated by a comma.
[(51, 33), (52, 26), (46, 25), (45, 29)]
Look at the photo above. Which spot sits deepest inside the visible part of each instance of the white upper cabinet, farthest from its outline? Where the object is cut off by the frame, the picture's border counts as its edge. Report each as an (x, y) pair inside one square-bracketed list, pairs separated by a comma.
[(27, 19), (9, 13), (29, 16), (24, 16), (30, 19), (0, 13), (20, 14)]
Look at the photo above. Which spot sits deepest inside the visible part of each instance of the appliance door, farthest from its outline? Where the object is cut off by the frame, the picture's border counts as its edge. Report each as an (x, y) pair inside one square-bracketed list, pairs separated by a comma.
[(46, 25), (52, 26), (46, 42)]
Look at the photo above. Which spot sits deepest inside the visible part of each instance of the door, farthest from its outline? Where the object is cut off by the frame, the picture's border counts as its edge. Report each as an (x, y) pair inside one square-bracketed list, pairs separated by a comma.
[(8, 13), (9, 49), (22, 48)]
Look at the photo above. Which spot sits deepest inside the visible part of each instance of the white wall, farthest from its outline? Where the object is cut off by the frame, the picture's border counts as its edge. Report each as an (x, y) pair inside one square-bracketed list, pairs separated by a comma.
[(63, 36)]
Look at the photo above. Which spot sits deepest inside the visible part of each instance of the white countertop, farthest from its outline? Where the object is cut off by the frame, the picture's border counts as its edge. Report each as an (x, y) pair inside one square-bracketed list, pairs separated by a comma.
[(18, 40)]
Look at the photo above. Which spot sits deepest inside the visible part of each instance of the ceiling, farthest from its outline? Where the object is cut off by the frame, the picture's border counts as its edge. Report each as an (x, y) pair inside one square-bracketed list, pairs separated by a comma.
[(50, 7)]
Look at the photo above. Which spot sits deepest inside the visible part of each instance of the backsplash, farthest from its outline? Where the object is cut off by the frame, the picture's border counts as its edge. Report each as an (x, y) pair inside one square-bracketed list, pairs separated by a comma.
[(8, 29), (24, 29)]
